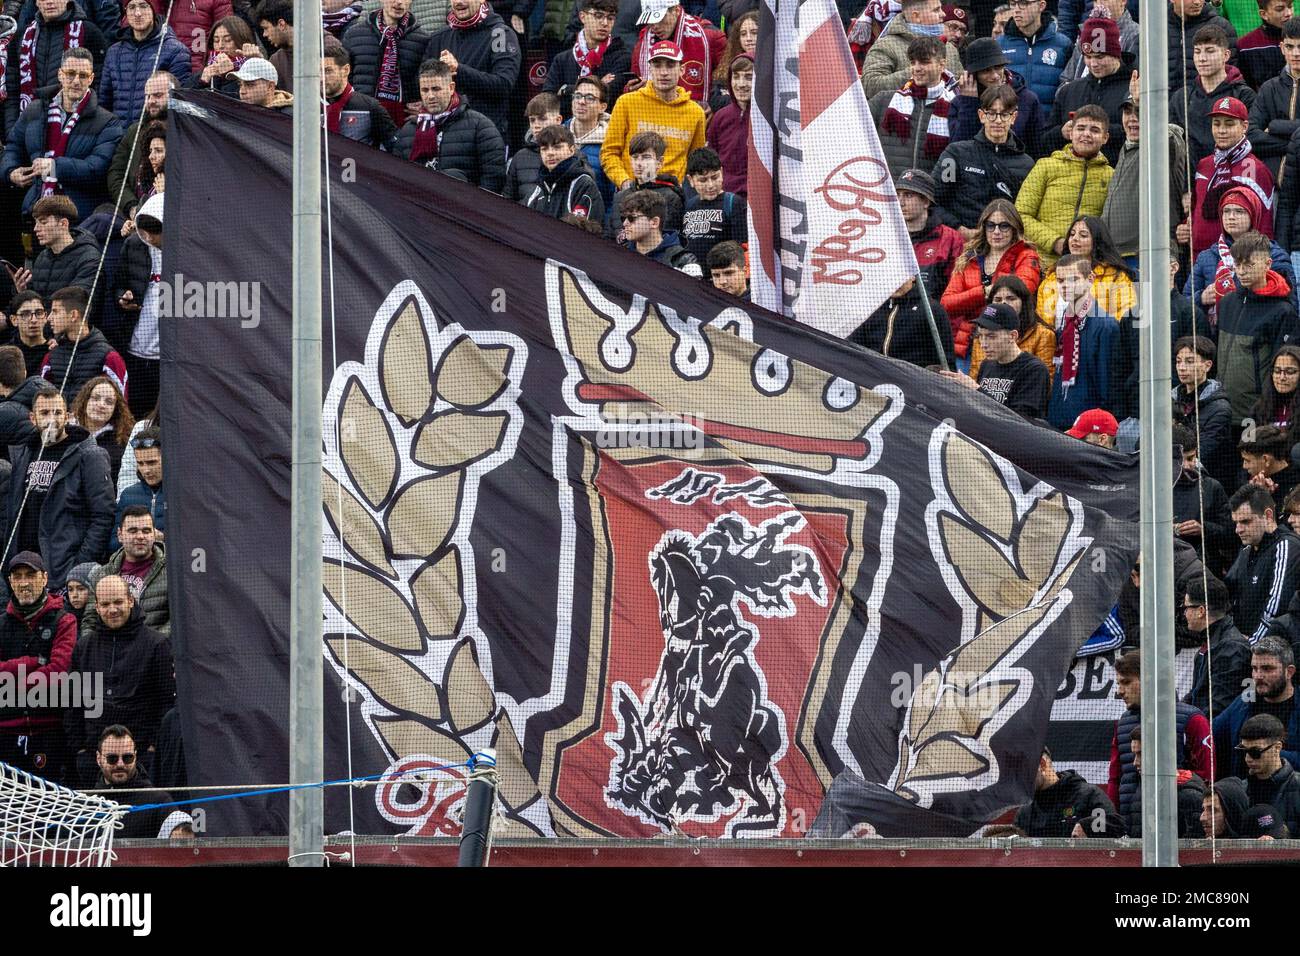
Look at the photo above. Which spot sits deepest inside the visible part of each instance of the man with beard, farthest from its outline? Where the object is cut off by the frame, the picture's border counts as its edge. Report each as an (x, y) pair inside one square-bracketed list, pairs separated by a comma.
[(386, 49), (37, 636), (142, 564), (118, 762), (157, 91), (482, 52), (349, 111), (60, 502), (449, 136), (1272, 670)]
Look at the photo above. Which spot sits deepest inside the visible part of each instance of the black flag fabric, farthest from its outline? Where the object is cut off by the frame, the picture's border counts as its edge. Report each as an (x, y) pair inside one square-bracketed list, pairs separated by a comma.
[(681, 561)]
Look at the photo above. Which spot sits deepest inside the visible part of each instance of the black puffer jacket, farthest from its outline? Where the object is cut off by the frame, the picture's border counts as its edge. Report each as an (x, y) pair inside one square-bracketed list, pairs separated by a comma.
[(1272, 121), (362, 41), (489, 58), (1217, 452), (16, 426), (1055, 810), (364, 120), (134, 267), (1109, 93), (93, 354), (77, 516), (1280, 791), (1182, 34), (1195, 492), (971, 173), (136, 662), (523, 171), (49, 54), (569, 188), (900, 330), (471, 146), (75, 265), (1286, 221)]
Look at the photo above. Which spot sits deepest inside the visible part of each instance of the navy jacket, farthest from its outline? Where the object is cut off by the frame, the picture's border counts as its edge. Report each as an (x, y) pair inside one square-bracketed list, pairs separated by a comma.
[(128, 65), (1040, 59), (489, 60)]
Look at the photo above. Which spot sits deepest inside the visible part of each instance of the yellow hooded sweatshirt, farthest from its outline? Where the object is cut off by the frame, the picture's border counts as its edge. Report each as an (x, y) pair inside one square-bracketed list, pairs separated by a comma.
[(680, 122)]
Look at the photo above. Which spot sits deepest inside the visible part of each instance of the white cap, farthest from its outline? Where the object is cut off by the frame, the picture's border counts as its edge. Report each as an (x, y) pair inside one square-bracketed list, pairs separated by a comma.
[(153, 206), (256, 68), (652, 11)]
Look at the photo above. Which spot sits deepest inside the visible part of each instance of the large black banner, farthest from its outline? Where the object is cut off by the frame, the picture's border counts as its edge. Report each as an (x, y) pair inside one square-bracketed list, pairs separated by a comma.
[(681, 561)]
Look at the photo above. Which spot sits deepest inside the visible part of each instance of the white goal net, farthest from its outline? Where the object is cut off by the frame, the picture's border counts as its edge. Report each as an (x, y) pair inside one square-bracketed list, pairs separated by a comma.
[(43, 824)]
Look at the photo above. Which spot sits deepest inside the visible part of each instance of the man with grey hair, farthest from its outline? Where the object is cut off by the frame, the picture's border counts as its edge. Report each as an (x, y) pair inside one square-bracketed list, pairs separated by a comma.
[(1272, 691)]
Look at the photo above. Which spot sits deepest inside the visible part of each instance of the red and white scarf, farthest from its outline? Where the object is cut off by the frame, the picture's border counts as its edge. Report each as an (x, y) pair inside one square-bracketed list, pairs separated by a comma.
[(1225, 160), (428, 132), (58, 131), (334, 111), (898, 114), (389, 86), (589, 58), (1069, 336), (1225, 278), (479, 16), (27, 56), (691, 37)]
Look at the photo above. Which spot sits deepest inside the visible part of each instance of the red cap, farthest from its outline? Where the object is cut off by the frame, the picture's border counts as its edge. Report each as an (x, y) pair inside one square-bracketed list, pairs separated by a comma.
[(955, 14), (666, 50), (1230, 106), (1095, 421)]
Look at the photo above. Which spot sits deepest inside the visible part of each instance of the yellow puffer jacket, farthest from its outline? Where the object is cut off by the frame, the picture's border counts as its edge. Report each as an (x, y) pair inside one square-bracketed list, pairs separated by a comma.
[(681, 124), (1060, 188), (1112, 289)]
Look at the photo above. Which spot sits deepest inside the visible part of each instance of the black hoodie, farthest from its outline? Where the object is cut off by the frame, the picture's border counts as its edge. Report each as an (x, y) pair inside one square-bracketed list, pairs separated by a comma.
[(139, 682), (568, 189), (1055, 810), (1282, 792)]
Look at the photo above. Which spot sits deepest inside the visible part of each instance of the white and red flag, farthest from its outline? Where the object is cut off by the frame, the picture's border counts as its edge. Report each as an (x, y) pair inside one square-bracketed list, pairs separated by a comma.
[(828, 243)]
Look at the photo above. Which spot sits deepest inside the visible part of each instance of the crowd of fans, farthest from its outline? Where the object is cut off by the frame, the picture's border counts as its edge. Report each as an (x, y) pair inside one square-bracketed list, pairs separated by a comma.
[(1012, 135)]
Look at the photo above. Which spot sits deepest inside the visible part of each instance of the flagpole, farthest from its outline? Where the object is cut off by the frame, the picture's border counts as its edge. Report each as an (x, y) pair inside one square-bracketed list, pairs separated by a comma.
[(1159, 770), (306, 662), (929, 318)]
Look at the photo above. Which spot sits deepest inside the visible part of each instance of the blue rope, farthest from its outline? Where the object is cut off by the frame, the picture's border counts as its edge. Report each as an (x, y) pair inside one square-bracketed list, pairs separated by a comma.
[(471, 764)]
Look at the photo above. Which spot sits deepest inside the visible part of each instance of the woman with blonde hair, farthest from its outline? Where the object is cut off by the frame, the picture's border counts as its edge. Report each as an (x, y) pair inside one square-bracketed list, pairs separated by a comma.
[(999, 248)]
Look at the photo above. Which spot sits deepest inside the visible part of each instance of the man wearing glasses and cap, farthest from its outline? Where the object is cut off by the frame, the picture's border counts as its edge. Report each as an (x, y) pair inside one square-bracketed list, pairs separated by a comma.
[(701, 45)]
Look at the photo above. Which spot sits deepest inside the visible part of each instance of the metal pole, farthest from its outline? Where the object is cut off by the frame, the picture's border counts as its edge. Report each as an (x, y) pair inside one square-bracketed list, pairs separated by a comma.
[(306, 661), (1159, 770), (929, 318), (476, 833)]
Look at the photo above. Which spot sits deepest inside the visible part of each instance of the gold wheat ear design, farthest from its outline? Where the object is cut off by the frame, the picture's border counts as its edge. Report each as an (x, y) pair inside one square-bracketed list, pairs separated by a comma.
[(389, 508), (950, 716)]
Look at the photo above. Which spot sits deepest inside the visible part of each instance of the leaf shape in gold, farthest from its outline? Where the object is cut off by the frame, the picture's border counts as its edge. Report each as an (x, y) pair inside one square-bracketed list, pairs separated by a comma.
[(517, 786), (358, 531), (456, 439), (470, 375), (983, 569), (423, 514), (405, 737), (976, 487), (1041, 535), (373, 607), (366, 445), (394, 680), (438, 599), (405, 365), (470, 701)]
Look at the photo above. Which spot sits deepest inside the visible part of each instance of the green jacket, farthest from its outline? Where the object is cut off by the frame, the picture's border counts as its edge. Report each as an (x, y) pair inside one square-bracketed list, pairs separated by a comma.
[(886, 66), (1059, 188), (152, 600)]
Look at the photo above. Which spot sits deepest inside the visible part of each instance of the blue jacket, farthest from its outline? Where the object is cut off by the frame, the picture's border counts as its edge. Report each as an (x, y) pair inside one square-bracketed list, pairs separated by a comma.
[(1227, 731), (1039, 59), (1030, 118), (1091, 388), (1207, 264), (140, 494), (1070, 15), (82, 168), (129, 63)]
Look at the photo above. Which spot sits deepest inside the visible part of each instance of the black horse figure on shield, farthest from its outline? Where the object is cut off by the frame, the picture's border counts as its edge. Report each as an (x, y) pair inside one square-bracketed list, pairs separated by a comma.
[(705, 735)]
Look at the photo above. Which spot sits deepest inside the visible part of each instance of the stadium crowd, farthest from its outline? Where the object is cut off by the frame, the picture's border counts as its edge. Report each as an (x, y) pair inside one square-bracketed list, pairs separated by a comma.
[(1012, 135)]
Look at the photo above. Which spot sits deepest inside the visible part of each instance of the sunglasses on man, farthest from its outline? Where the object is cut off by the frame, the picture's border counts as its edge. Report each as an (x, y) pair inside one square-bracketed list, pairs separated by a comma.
[(1254, 753), (111, 759)]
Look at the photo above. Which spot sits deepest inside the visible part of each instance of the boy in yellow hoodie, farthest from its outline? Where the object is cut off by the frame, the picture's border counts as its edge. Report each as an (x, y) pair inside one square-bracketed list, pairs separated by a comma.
[(660, 106)]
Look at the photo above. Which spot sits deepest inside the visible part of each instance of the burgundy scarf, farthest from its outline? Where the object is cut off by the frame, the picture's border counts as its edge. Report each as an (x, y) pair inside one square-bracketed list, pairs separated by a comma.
[(237, 59), (27, 56), (58, 131), (389, 86), (904, 103), (588, 58), (1067, 349), (334, 111), (479, 16), (693, 41), (1221, 180), (428, 132)]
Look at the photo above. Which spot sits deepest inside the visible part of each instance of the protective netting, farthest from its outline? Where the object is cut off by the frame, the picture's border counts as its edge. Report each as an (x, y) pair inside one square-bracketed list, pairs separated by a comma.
[(44, 824)]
